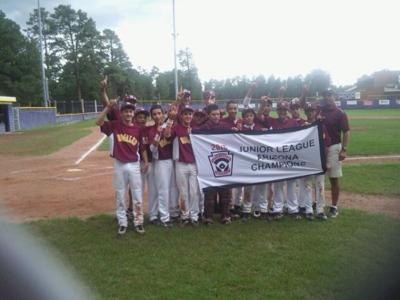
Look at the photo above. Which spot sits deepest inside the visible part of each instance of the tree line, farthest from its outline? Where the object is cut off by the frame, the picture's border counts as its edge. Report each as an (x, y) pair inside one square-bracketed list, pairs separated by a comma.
[(77, 55)]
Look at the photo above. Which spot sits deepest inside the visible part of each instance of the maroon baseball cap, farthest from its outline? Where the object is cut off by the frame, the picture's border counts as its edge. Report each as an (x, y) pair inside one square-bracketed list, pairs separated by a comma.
[(130, 98), (127, 105), (186, 108), (200, 111), (282, 105), (141, 110)]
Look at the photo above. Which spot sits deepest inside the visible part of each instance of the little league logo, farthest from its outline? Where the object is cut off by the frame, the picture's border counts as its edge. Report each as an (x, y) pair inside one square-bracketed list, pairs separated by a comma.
[(221, 163)]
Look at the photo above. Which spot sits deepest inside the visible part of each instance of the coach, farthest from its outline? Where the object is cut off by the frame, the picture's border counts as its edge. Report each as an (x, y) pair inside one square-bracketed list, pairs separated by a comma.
[(337, 125)]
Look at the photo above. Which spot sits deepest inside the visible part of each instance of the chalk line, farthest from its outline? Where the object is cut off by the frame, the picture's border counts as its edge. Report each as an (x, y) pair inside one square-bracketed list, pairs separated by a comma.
[(94, 147)]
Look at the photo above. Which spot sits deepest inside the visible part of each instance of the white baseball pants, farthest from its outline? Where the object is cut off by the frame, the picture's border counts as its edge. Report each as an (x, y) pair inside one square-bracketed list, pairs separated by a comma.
[(149, 182), (319, 181), (237, 196), (279, 196), (128, 174), (260, 197), (186, 179), (164, 179)]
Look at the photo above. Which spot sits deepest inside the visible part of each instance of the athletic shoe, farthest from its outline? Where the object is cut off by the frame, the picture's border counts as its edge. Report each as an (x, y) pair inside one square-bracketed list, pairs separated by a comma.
[(333, 212), (235, 212), (129, 214), (302, 211), (175, 219), (208, 221), (122, 230), (295, 216), (226, 221), (154, 222), (256, 214), (166, 224), (139, 229), (185, 222), (322, 216), (309, 216), (276, 215), (245, 217), (194, 223), (285, 210)]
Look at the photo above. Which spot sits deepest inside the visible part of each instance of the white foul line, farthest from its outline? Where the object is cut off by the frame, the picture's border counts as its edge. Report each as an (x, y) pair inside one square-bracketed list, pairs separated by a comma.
[(94, 147), (372, 157)]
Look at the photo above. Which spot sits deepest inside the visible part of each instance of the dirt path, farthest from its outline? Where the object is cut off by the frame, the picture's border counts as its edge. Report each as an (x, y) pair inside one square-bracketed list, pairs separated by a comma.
[(53, 186)]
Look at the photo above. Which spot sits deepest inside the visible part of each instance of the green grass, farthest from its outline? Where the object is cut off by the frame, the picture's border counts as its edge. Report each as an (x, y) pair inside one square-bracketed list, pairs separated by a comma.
[(105, 145), (374, 137), (375, 179), (44, 140), (352, 256), (374, 112)]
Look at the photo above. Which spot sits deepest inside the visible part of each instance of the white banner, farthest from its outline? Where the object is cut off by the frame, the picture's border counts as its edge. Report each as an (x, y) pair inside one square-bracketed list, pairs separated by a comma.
[(233, 159)]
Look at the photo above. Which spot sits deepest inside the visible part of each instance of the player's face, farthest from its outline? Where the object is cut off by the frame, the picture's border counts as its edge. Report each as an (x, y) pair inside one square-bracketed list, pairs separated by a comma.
[(187, 117), (282, 113), (328, 100), (215, 116), (248, 119), (267, 110), (295, 112), (141, 119), (128, 114), (157, 115), (232, 110), (199, 118)]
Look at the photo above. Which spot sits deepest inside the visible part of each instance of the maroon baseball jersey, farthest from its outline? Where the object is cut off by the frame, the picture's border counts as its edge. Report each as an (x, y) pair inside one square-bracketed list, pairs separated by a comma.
[(336, 122), (185, 150), (229, 121), (164, 146), (277, 123), (219, 125), (299, 121), (146, 144), (127, 140), (265, 122)]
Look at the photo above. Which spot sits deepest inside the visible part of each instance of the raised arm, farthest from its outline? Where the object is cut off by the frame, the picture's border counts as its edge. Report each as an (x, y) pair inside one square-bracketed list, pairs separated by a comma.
[(103, 91)]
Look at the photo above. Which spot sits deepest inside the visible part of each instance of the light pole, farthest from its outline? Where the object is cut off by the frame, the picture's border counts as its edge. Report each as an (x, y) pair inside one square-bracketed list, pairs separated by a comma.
[(174, 35), (44, 84)]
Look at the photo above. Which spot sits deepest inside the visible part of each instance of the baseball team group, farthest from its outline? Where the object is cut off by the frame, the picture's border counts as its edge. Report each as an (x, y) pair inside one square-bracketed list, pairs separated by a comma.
[(152, 152)]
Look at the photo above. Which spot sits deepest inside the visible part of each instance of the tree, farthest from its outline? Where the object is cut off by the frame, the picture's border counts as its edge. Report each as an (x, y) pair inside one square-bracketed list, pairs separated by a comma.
[(318, 80), (189, 77), (19, 64)]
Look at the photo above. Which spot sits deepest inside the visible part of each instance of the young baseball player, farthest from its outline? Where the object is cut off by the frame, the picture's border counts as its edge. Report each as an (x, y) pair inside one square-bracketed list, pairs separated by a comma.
[(185, 167), (161, 148), (127, 143), (319, 180), (283, 121), (224, 195)]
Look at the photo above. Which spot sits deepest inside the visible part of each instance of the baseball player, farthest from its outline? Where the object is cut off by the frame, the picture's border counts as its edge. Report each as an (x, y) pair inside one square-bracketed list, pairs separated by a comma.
[(224, 195), (161, 148), (127, 143), (185, 166), (283, 121)]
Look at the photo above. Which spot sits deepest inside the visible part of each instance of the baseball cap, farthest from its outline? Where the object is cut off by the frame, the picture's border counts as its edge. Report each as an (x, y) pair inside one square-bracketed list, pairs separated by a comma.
[(282, 105), (130, 98), (186, 108), (127, 105), (200, 111), (141, 110)]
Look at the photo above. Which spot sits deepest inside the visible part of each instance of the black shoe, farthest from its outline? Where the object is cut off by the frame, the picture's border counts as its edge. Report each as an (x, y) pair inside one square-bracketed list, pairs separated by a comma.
[(140, 229), (276, 215), (309, 216), (322, 216), (185, 222), (256, 214), (122, 230), (235, 212), (154, 222), (295, 216), (302, 211), (333, 212), (166, 224), (245, 217), (208, 221)]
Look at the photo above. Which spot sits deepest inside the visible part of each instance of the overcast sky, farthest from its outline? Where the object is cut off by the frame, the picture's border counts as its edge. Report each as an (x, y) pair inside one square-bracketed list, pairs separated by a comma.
[(249, 37)]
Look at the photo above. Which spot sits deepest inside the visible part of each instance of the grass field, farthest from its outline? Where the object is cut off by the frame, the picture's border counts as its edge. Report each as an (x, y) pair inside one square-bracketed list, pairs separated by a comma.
[(353, 256), (44, 140), (374, 112), (374, 179)]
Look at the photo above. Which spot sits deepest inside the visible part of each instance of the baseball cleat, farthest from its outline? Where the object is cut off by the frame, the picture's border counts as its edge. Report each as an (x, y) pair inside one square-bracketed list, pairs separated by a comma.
[(302, 211), (122, 230), (256, 214), (226, 221), (333, 212), (245, 217), (208, 221), (139, 229), (322, 216), (295, 216), (166, 224), (309, 216)]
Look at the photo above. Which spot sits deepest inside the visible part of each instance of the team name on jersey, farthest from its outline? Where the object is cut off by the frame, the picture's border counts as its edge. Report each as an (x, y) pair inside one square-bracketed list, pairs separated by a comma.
[(163, 142), (184, 140), (123, 137)]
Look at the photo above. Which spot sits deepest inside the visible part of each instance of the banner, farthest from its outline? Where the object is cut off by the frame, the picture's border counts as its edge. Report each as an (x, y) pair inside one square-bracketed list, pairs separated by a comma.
[(226, 159)]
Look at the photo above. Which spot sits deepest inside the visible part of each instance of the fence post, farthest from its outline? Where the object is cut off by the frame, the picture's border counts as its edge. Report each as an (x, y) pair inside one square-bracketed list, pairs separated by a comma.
[(95, 106)]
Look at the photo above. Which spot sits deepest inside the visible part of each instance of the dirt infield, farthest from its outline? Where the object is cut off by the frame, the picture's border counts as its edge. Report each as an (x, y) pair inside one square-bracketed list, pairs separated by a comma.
[(53, 186)]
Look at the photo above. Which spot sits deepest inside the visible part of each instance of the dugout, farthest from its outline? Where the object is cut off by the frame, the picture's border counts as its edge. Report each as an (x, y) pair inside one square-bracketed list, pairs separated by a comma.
[(6, 114)]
